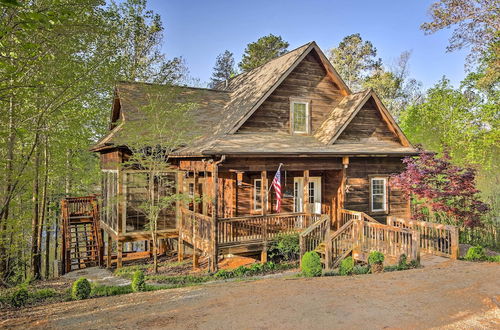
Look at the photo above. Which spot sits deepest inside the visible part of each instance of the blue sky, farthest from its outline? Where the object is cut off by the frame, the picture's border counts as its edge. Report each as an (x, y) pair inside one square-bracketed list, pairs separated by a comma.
[(200, 30)]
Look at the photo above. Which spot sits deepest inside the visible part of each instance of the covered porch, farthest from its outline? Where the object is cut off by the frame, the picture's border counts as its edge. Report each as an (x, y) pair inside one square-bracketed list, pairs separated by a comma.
[(232, 210)]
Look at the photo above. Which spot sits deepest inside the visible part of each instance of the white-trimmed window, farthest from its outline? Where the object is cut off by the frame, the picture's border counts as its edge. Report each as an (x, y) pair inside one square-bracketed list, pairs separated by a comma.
[(257, 196), (378, 194), (299, 117)]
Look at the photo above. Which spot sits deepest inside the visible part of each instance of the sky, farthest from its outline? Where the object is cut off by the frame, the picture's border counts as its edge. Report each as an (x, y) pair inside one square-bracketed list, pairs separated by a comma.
[(200, 30)]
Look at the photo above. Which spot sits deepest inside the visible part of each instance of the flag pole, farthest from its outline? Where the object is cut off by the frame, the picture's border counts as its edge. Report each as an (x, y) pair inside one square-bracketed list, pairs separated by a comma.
[(269, 189)]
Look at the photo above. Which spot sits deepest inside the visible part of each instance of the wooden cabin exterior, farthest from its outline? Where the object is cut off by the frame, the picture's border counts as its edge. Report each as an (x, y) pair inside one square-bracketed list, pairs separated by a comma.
[(338, 150)]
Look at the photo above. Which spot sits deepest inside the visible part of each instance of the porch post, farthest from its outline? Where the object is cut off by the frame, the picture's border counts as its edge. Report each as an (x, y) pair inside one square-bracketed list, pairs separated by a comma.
[(119, 254), (306, 207), (196, 193), (264, 201), (215, 206), (178, 206), (109, 250), (341, 198)]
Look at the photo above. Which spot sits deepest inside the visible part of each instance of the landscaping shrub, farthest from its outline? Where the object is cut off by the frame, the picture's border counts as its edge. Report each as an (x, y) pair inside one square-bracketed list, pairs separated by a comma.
[(403, 262), (360, 270), (494, 258), (81, 289), (475, 253), (284, 247), (138, 281), (346, 266), (224, 274), (20, 297), (311, 264), (376, 261)]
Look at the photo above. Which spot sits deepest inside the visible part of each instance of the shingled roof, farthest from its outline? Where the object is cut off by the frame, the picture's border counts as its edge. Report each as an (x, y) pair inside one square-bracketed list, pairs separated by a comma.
[(220, 112)]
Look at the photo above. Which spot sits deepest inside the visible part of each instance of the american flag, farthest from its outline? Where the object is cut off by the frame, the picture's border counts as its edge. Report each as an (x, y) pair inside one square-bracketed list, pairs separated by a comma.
[(277, 188)]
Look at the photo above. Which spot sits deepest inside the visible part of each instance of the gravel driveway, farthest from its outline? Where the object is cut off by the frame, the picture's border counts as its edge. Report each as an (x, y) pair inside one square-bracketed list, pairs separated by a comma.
[(454, 294)]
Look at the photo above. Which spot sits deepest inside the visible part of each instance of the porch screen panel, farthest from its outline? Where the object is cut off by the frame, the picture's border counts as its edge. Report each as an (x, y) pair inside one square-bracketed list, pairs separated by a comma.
[(137, 193), (109, 209)]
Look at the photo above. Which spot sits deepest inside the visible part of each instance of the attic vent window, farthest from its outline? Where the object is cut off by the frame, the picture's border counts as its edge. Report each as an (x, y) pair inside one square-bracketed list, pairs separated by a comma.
[(299, 117)]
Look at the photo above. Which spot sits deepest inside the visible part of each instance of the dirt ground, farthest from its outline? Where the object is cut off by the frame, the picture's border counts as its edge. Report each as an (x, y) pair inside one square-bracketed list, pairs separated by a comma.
[(453, 294)]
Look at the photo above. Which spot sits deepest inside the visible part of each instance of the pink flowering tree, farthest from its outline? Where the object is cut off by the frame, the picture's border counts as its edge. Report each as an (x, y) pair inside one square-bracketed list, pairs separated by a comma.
[(441, 191)]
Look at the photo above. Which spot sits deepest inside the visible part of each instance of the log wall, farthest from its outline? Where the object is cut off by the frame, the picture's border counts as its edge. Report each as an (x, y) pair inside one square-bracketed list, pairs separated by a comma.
[(308, 81), (358, 182)]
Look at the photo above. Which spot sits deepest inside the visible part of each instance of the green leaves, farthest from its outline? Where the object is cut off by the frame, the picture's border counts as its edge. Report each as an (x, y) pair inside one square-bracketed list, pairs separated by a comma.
[(261, 51)]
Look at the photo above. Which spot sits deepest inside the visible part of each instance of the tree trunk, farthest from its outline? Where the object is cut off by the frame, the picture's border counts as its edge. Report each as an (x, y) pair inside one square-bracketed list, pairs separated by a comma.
[(43, 215), (8, 188), (35, 244)]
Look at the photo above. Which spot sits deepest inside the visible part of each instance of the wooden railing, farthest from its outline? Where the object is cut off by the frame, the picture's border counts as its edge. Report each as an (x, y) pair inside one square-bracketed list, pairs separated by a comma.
[(391, 241), (80, 206), (340, 244), (196, 229), (233, 231), (347, 215), (315, 234), (362, 237), (438, 239)]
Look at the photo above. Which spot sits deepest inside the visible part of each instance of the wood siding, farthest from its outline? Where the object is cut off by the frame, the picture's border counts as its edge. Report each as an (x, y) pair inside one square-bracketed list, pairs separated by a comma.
[(367, 126), (358, 182), (308, 81)]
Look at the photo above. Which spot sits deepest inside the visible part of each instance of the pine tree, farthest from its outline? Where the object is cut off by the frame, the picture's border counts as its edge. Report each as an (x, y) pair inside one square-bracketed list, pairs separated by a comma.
[(223, 69), (262, 51)]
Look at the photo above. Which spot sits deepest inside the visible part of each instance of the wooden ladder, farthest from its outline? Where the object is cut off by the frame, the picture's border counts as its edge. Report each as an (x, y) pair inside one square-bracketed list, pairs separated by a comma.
[(82, 242)]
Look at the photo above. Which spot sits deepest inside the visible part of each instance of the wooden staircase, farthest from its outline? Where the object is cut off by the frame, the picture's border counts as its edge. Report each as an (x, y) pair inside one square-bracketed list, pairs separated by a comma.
[(358, 235), (82, 242)]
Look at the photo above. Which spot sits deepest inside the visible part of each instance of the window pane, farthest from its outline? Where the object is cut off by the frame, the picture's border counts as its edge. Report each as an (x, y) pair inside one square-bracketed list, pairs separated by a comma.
[(257, 197), (378, 202), (299, 117)]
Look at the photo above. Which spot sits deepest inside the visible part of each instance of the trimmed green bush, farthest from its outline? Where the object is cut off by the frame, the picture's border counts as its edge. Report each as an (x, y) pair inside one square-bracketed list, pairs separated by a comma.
[(20, 297), (284, 247), (494, 258), (346, 266), (311, 264), (80, 289), (475, 253), (360, 270), (403, 262), (138, 281), (376, 257)]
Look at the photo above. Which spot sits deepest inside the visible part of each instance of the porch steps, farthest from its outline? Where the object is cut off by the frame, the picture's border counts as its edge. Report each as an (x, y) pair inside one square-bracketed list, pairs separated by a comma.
[(81, 235)]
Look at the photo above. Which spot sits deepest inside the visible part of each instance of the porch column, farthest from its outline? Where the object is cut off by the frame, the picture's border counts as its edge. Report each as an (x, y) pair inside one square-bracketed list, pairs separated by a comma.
[(109, 251), (263, 192), (178, 206), (196, 193), (215, 185), (341, 197), (306, 207), (264, 201), (119, 254)]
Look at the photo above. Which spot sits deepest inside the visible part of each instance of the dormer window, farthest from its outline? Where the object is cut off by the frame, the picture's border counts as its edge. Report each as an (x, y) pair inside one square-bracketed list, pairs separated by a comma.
[(299, 117)]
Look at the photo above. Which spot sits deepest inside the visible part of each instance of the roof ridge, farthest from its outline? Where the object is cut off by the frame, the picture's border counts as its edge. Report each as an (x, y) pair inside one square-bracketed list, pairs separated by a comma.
[(271, 60)]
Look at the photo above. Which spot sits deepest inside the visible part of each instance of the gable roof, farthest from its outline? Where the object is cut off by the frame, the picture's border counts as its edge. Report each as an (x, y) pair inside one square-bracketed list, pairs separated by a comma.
[(250, 89), (220, 112), (340, 117)]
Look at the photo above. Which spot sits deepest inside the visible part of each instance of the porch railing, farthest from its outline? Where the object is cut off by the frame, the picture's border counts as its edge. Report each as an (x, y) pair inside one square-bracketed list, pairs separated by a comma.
[(314, 235), (233, 231), (438, 239), (196, 229), (347, 215)]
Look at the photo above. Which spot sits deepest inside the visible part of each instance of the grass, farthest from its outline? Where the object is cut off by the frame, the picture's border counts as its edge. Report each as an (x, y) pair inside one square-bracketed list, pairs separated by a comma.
[(35, 296)]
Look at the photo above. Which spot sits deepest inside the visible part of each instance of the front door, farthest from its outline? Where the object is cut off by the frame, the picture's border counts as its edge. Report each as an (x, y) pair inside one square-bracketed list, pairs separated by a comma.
[(314, 194)]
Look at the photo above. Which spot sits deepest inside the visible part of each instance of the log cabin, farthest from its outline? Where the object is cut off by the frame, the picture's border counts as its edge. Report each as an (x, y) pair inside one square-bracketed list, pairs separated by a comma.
[(337, 150)]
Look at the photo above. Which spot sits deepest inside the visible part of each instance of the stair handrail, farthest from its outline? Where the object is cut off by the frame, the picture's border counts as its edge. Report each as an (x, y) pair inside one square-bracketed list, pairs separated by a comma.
[(313, 235), (349, 225)]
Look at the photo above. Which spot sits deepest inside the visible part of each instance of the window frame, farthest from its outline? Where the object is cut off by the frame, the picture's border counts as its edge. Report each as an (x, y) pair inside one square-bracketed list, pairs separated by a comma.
[(385, 194), (292, 117), (256, 207)]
